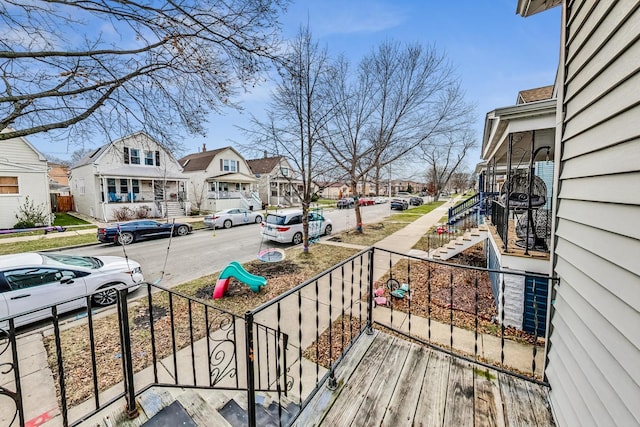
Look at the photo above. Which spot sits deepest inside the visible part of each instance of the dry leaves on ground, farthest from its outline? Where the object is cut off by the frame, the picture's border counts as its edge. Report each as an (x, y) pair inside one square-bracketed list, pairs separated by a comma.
[(188, 320)]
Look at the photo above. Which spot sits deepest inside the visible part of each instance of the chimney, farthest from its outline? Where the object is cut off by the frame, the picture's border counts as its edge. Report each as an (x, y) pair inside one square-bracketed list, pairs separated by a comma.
[(204, 147), (265, 154)]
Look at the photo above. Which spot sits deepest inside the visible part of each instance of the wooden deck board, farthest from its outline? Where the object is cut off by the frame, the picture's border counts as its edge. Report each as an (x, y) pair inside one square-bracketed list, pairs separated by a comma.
[(401, 384), (431, 405), (459, 407), (346, 406), (487, 399), (324, 398), (543, 414), (518, 411), (373, 408), (404, 400)]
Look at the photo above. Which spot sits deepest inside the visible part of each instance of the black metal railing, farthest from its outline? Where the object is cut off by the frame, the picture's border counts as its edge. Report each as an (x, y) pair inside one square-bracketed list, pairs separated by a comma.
[(324, 318), (499, 221), (452, 308), (178, 340), (461, 209), (290, 347)]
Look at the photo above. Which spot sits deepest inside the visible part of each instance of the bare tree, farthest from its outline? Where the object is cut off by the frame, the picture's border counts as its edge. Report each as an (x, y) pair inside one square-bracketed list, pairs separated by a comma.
[(88, 65), (401, 97), (444, 156), (296, 118)]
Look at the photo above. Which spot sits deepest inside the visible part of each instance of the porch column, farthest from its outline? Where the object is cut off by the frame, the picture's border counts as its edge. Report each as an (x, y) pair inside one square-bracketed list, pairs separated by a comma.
[(507, 193)]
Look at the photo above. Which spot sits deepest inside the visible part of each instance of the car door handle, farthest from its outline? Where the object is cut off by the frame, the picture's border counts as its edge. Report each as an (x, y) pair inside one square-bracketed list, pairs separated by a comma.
[(21, 296)]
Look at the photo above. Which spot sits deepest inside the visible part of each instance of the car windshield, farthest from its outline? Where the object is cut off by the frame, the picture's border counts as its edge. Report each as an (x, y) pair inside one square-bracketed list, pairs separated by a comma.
[(74, 260), (275, 219)]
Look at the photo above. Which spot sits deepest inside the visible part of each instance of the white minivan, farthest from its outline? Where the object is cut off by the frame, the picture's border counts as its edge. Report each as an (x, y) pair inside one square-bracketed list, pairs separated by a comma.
[(286, 226)]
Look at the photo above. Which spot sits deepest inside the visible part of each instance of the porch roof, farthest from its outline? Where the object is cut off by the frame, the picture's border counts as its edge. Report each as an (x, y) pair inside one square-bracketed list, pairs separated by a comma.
[(520, 120), (232, 177), (142, 172)]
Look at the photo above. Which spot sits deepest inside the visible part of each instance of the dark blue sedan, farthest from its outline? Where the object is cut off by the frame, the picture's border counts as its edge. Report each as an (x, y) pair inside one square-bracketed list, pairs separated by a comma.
[(128, 232)]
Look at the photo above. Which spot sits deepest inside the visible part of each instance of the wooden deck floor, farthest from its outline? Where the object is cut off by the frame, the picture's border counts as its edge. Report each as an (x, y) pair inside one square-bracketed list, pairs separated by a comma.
[(387, 381)]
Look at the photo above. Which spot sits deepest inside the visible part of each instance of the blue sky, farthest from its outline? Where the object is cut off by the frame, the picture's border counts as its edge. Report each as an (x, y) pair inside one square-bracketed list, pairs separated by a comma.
[(496, 53)]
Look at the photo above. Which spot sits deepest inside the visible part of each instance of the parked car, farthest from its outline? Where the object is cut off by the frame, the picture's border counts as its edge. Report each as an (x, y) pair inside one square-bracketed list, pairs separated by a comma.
[(286, 226), (31, 280), (346, 203), (400, 204), (366, 201), (231, 217), (380, 200), (416, 201), (126, 233)]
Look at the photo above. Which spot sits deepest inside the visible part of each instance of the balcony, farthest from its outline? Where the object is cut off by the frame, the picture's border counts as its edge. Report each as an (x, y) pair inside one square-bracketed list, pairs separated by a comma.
[(381, 338)]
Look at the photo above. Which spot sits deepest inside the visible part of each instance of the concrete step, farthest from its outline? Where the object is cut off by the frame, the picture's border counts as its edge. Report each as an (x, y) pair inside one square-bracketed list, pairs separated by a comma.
[(460, 244)]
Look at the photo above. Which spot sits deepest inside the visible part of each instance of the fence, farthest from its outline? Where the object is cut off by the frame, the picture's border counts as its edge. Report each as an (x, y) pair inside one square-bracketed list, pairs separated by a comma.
[(288, 347)]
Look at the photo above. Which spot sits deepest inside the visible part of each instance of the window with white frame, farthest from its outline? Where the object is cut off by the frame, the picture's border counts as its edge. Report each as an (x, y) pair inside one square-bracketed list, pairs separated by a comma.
[(284, 171), (135, 156), (132, 156), (148, 158), (229, 165), (9, 185)]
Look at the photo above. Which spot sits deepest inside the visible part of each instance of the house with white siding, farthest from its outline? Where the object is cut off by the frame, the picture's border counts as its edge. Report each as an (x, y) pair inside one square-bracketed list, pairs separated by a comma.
[(135, 172), (278, 183), (592, 164), (23, 172), (220, 179)]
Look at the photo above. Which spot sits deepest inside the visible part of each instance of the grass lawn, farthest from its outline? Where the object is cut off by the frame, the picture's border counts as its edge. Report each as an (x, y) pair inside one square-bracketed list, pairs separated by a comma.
[(63, 219), (43, 244), (373, 233)]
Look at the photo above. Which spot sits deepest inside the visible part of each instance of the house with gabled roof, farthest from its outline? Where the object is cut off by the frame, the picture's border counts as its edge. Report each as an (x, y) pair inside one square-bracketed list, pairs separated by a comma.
[(277, 180), (220, 179), (135, 172), (23, 172)]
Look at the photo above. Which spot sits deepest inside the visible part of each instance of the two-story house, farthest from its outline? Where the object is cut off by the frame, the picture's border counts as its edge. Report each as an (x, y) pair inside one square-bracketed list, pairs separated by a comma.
[(220, 179), (278, 183), (135, 171), (23, 172)]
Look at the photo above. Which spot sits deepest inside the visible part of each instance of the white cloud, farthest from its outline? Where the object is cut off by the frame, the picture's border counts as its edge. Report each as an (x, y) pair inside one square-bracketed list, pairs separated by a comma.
[(355, 17)]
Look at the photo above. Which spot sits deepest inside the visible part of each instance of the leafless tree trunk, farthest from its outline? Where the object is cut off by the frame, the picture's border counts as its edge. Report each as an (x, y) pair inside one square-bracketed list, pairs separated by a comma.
[(95, 66), (400, 98), (444, 156), (297, 118)]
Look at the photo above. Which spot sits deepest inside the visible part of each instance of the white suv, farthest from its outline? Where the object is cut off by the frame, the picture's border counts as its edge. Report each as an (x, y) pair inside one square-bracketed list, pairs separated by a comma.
[(286, 226)]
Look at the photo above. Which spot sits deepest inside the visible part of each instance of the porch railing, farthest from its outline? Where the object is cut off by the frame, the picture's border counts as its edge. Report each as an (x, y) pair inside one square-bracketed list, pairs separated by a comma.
[(499, 221), (289, 347)]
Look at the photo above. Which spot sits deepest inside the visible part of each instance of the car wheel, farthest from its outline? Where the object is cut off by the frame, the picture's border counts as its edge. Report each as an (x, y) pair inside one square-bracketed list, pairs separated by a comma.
[(227, 224), (126, 238), (328, 229), (106, 297), (258, 219), (183, 230), (297, 238)]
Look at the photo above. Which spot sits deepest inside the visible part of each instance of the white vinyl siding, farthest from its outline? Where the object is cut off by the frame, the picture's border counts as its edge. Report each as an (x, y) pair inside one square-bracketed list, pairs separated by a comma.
[(594, 351)]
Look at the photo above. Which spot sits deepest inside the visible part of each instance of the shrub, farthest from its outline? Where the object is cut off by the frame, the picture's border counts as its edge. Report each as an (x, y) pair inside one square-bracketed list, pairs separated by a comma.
[(31, 215), (123, 214), (142, 212)]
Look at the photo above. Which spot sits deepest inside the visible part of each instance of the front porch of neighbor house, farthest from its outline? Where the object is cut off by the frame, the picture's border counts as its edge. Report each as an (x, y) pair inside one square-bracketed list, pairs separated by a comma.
[(159, 197)]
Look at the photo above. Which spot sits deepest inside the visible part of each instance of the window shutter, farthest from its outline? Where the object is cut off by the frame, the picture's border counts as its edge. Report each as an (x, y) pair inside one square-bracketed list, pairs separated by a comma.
[(157, 158), (221, 166), (126, 155)]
